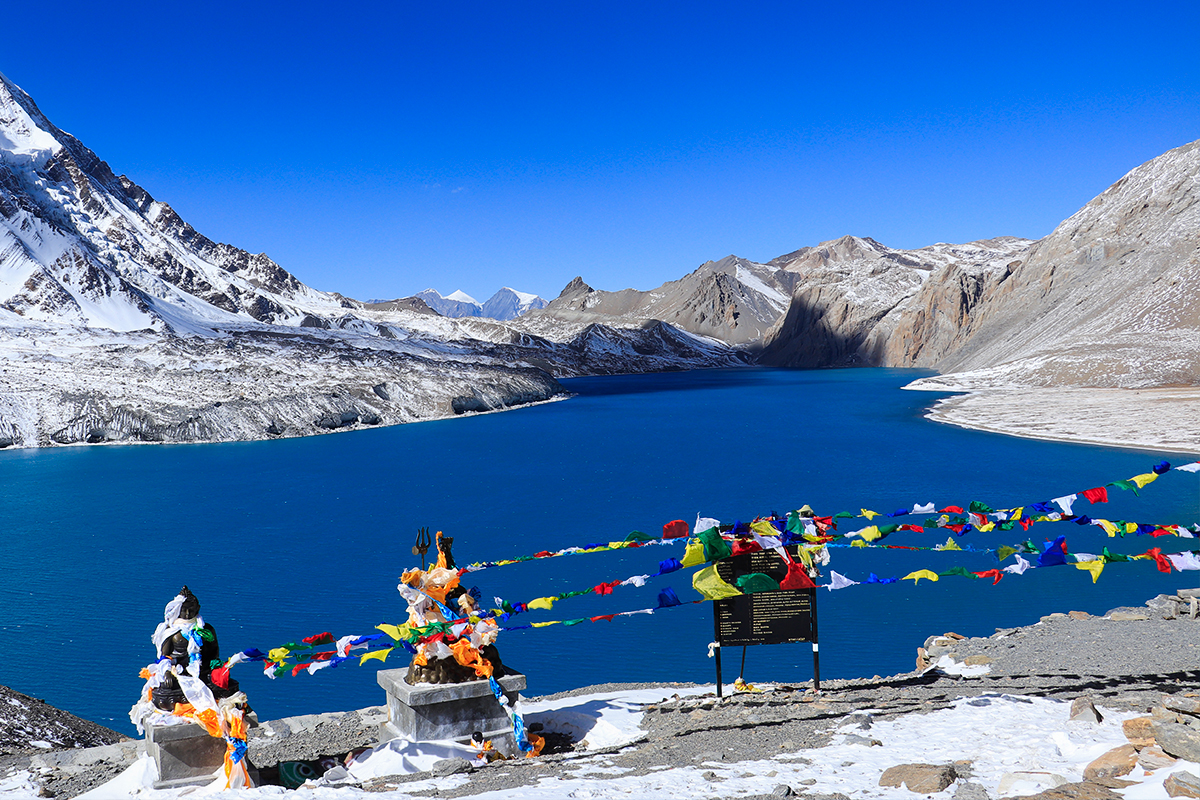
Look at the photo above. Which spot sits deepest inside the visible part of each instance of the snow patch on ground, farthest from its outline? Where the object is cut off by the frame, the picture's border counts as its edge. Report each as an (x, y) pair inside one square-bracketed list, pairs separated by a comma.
[(999, 734)]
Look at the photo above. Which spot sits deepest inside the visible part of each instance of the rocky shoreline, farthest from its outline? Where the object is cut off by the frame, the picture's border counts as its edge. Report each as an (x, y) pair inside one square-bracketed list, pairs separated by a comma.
[(1129, 661)]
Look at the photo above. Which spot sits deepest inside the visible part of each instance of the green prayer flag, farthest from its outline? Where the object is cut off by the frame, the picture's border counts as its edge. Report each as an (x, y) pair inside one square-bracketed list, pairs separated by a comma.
[(1005, 551), (1008, 525), (572, 621), (884, 530), (757, 582), (637, 536), (959, 571), (715, 548), (1127, 485), (980, 508), (844, 515), (1113, 557), (1029, 548)]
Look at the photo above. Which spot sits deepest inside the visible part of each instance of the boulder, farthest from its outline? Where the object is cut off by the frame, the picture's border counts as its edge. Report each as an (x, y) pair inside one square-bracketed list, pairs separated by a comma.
[(1116, 762), (1083, 790), (1139, 731), (1079, 615), (919, 778), (1181, 704), (1128, 616), (1084, 710), (1182, 784), (1152, 758), (970, 791), (1178, 740), (1024, 781), (451, 766)]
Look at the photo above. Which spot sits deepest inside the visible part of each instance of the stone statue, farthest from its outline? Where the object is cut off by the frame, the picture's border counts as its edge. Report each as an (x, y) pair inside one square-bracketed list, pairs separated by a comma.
[(451, 659), (190, 644)]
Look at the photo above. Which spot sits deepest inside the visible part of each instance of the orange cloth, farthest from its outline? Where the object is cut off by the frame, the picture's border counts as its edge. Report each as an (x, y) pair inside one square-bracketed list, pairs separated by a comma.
[(466, 654), (538, 743)]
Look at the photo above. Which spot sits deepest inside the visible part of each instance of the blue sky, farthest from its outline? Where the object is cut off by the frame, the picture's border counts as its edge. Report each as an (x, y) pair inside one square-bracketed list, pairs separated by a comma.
[(379, 149)]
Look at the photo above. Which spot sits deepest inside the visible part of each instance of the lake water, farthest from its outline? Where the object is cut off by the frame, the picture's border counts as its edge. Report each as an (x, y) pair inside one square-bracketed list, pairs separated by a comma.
[(284, 539)]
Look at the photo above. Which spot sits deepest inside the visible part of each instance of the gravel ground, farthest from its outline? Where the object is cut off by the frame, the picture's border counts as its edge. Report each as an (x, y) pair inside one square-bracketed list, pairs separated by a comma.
[(1124, 664)]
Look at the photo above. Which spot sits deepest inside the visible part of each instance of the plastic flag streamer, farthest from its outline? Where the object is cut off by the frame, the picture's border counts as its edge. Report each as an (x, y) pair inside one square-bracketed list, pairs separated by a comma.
[(458, 634)]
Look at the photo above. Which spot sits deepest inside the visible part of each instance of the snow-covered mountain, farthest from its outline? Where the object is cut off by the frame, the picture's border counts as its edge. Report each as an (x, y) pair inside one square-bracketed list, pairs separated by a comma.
[(509, 304), (504, 305), (119, 321)]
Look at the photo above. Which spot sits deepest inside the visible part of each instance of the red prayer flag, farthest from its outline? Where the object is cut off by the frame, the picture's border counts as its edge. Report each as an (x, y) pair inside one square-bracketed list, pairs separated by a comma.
[(1026, 523), (741, 546), (797, 578), (676, 529), (1164, 563), (994, 574), (950, 510), (603, 616), (1097, 495), (220, 677), (320, 638)]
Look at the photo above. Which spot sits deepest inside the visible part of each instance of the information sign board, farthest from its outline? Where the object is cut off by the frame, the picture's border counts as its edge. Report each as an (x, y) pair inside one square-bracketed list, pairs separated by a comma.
[(780, 617)]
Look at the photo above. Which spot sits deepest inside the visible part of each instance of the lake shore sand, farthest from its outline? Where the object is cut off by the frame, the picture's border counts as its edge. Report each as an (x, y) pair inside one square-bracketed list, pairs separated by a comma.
[(1162, 419)]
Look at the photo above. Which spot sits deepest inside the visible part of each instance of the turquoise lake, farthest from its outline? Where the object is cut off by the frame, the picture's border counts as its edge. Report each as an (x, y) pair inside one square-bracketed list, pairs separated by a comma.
[(284, 539)]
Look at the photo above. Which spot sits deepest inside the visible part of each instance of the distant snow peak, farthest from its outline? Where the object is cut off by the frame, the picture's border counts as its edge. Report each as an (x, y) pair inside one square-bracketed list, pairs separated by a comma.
[(459, 296), (504, 305)]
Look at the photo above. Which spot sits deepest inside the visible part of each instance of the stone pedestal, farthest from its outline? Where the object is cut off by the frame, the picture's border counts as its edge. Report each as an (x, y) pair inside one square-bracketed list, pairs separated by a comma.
[(185, 754), (454, 711)]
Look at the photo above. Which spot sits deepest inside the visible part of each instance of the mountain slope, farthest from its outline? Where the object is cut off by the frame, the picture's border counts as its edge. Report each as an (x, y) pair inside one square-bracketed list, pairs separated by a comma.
[(733, 300), (853, 294), (121, 322), (1109, 298)]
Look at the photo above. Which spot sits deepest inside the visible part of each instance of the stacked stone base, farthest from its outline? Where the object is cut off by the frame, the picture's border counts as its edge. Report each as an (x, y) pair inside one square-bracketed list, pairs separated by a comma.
[(454, 711)]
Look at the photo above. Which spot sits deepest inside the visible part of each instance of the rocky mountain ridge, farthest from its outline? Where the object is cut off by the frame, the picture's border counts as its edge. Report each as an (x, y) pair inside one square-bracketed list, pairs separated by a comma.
[(121, 322), (1108, 299)]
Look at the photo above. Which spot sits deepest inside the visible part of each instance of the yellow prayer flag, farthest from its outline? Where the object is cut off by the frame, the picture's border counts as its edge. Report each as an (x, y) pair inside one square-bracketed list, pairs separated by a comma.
[(859, 543), (543, 603), (764, 528), (987, 527), (379, 655), (870, 534), (708, 583), (921, 573), (1144, 478), (693, 554), (1109, 528), (1131, 527), (949, 545), (397, 632), (868, 514), (1094, 567), (544, 624), (279, 654), (1017, 513)]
